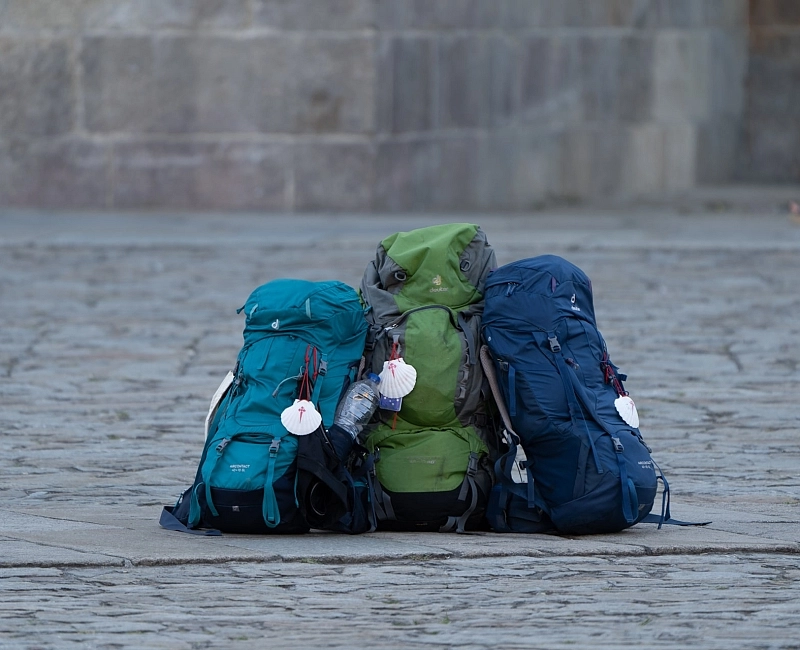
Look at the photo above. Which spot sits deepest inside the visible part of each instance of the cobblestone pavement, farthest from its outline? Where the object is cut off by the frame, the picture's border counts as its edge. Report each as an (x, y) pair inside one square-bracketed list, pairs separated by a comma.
[(114, 331), (718, 601)]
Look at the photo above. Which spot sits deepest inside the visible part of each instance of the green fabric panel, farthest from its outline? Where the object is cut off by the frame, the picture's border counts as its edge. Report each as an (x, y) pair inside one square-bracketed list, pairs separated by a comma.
[(433, 347), (425, 460), (431, 257)]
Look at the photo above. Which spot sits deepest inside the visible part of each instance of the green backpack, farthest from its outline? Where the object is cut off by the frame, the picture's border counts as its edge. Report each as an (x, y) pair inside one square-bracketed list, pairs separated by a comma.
[(424, 299), (299, 337)]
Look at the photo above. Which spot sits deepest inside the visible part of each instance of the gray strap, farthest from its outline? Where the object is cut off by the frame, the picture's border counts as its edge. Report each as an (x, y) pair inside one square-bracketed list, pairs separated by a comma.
[(449, 525), (462, 321), (491, 376), (383, 504), (169, 521), (460, 523)]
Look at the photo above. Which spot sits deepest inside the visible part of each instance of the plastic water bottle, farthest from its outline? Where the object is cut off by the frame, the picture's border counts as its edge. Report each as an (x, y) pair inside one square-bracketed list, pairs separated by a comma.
[(358, 405), (352, 414)]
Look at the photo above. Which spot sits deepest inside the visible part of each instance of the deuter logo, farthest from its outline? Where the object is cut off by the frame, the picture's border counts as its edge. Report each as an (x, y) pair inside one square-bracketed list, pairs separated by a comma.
[(276, 324), (437, 284), (574, 306), (239, 468)]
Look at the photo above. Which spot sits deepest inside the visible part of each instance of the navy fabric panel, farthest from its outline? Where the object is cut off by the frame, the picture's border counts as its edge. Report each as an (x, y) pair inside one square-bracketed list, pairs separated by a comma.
[(539, 321)]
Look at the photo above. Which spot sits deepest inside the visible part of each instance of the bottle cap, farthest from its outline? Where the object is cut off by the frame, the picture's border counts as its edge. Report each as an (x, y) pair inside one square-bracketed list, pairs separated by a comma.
[(374, 377)]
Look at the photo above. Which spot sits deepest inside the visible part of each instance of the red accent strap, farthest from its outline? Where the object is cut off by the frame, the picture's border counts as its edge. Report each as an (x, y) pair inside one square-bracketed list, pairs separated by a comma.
[(304, 391), (610, 376)]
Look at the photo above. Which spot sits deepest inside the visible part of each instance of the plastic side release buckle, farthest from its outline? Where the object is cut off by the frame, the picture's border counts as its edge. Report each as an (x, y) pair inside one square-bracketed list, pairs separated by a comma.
[(273, 447), (617, 445), (472, 468), (555, 346)]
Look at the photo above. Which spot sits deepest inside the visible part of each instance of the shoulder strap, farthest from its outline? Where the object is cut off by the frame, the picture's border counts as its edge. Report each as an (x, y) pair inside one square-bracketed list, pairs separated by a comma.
[(491, 377), (504, 464)]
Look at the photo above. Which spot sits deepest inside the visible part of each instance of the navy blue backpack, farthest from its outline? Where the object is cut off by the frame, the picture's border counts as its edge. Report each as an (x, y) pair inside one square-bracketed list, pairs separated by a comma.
[(588, 470)]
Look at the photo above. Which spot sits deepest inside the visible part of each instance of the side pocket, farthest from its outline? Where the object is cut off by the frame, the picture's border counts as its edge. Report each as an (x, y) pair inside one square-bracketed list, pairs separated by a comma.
[(599, 511)]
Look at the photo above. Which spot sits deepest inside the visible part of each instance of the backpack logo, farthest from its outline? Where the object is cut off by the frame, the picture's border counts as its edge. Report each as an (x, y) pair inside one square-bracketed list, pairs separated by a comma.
[(437, 282), (573, 305), (276, 324), (239, 468)]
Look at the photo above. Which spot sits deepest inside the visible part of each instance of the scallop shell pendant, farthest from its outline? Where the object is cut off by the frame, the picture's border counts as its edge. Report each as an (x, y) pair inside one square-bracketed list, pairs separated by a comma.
[(627, 411), (397, 378), (301, 418)]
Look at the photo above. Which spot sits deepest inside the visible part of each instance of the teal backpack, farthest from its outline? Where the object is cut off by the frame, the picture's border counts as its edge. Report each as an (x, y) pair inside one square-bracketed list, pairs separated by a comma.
[(301, 340)]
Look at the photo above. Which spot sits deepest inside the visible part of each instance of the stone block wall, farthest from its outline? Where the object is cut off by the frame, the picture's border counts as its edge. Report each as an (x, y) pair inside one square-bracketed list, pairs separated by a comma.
[(770, 147), (388, 105)]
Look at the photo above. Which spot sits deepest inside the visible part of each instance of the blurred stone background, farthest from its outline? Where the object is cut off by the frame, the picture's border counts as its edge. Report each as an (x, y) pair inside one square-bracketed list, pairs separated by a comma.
[(392, 105)]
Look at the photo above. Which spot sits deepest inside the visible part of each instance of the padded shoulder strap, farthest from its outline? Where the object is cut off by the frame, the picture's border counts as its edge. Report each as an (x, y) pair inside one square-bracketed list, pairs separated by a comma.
[(491, 377), (504, 464)]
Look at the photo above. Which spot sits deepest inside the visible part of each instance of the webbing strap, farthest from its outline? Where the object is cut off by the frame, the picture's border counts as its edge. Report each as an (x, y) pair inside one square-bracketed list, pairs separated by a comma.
[(575, 410), (468, 485), (171, 522), (665, 517), (530, 487), (323, 369), (459, 523), (383, 504), (502, 471), (472, 469), (269, 508), (656, 519), (630, 502), (194, 507), (367, 471), (665, 514), (207, 485), (462, 321), (512, 391)]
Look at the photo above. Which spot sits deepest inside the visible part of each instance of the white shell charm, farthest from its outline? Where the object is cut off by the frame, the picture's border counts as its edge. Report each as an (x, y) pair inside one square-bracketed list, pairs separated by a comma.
[(627, 411), (301, 418), (397, 378)]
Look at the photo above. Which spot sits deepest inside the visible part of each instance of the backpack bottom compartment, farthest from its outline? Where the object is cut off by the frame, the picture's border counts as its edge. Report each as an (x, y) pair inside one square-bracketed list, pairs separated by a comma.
[(242, 512)]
